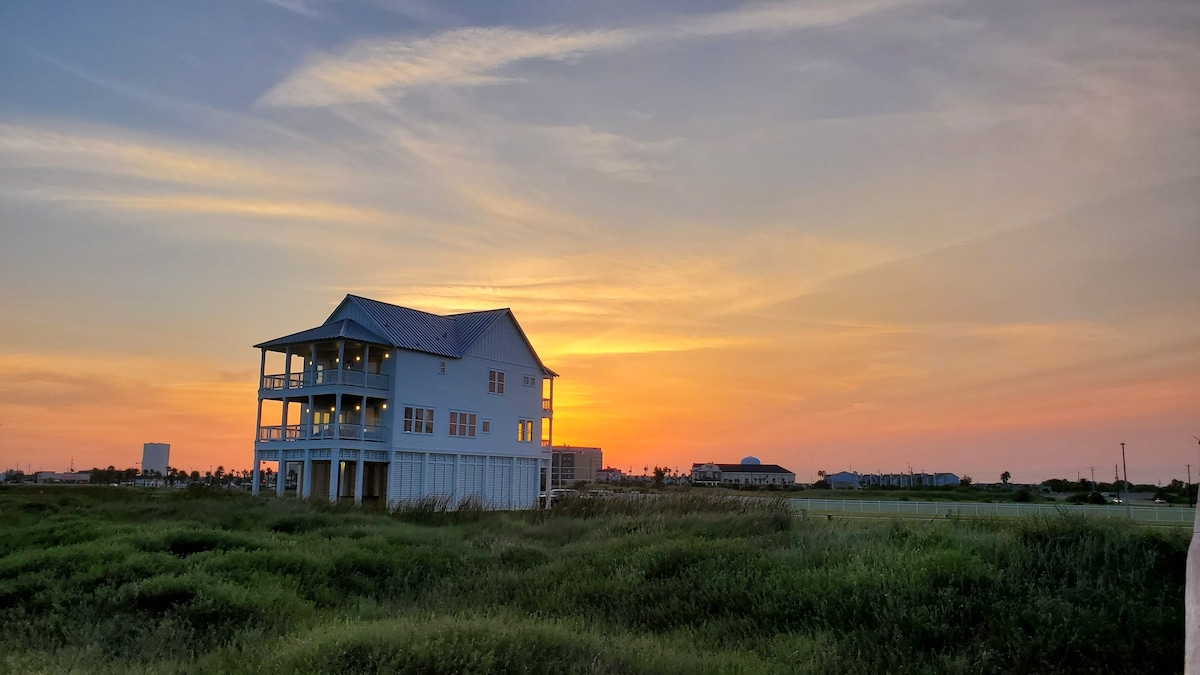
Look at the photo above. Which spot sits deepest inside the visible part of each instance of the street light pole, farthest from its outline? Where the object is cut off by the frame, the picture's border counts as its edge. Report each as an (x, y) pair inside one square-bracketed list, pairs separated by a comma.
[(1125, 469)]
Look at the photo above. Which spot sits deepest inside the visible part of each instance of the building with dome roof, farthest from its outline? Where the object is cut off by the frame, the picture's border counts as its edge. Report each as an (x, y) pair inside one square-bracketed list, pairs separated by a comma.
[(749, 472)]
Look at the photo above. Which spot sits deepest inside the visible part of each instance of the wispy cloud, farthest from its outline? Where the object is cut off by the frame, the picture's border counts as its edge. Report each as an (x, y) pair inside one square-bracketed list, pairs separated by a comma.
[(38, 147), (371, 69), (306, 7), (116, 152)]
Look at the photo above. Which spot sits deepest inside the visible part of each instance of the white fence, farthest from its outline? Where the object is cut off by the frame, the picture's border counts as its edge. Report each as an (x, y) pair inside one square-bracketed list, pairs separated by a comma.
[(1145, 514)]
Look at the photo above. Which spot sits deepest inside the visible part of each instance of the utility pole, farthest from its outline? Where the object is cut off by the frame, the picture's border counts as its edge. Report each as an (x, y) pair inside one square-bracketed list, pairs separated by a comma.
[(1128, 510), (1093, 477)]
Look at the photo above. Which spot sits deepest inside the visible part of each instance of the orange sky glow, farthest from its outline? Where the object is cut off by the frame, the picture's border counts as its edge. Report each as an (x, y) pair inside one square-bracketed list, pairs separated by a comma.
[(873, 235)]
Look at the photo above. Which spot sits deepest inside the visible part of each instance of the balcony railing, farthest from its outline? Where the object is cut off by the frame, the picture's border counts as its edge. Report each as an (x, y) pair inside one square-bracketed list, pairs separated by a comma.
[(545, 442), (317, 432), (291, 432), (547, 405), (350, 378)]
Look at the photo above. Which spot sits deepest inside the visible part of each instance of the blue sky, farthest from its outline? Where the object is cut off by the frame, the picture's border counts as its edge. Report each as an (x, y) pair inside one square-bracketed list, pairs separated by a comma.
[(946, 232)]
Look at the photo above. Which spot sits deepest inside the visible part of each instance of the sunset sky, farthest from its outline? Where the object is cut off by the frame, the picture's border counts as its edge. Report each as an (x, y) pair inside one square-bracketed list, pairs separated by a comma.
[(951, 235)]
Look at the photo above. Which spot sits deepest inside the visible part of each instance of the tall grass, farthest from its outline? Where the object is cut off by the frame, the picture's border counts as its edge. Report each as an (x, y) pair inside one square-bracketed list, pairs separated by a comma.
[(122, 580)]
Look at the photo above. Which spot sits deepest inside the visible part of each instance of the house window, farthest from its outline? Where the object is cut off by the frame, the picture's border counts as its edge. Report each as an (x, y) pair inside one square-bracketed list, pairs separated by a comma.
[(525, 431), (528, 380), (462, 424), (485, 426), (441, 367), (418, 420), (495, 381)]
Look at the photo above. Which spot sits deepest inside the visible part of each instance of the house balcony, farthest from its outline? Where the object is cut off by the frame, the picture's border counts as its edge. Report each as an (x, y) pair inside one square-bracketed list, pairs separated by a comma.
[(323, 432), (547, 407), (323, 378)]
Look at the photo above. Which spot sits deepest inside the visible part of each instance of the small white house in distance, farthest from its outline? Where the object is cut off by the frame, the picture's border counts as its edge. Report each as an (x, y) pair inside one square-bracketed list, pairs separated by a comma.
[(749, 472), (843, 480), (382, 402)]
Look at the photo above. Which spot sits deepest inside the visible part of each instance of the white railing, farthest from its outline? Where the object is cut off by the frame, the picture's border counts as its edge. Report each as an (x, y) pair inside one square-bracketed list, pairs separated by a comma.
[(291, 432), (350, 378), (1150, 514), (317, 432), (547, 405)]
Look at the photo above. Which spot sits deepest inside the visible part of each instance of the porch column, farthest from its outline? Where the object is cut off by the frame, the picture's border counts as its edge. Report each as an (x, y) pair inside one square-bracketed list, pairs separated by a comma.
[(258, 423), (335, 461), (307, 431), (281, 476), (255, 474), (337, 417), (312, 364), (341, 359), (362, 419), (262, 367), (283, 420), (287, 367), (549, 463), (358, 478), (307, 478)]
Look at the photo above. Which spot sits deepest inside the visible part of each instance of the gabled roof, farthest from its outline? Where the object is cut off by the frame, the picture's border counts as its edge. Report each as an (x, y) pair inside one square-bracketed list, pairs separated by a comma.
[(334, 330), (451, 336)]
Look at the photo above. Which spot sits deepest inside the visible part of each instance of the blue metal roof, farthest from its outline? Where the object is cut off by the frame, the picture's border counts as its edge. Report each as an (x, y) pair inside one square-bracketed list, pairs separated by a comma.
[(344, 329), (450, 336)]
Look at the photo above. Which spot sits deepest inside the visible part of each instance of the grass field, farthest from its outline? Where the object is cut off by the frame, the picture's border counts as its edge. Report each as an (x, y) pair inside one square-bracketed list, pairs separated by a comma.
[(126, 580)]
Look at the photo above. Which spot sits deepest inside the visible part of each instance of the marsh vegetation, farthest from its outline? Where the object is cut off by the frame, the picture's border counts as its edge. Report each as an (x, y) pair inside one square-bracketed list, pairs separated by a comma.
[(128, 580)]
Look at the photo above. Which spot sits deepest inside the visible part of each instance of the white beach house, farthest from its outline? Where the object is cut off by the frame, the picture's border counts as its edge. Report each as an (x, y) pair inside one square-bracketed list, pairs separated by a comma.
[(383, 402)]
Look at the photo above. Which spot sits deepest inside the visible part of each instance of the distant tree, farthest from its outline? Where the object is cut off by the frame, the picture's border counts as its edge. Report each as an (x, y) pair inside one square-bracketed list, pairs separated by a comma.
[(194, 477), (1023, 495), (1005, 477), (1176, 484), (821, 485), (965, 481), (659, 473), (220, 473)]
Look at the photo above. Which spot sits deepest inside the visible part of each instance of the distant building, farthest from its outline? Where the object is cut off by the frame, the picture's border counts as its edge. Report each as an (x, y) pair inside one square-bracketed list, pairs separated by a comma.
[(55, 477), (156, 457), (569, 464), (749, 472), (843, 480), (609, 474), (901, 480)]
